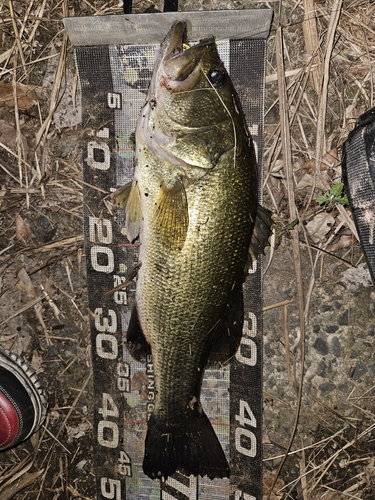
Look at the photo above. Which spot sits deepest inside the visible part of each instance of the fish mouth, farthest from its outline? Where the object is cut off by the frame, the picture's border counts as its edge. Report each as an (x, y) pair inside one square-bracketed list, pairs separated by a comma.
[(178, 59), (175, 40)]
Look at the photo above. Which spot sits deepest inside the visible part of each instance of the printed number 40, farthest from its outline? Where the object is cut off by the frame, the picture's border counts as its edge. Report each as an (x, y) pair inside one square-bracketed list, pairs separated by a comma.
[(108, 432), (245, 439)]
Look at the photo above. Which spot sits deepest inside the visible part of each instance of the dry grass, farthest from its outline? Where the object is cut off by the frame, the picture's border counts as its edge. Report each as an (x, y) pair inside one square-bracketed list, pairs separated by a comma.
[(321, 91), (319, 80)]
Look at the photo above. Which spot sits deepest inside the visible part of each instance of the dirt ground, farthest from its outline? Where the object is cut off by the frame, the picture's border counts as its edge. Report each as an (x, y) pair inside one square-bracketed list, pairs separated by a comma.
[(43, 294)]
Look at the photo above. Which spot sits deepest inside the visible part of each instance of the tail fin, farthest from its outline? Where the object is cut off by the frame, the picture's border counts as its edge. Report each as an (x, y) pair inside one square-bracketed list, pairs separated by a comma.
[(190, 446)]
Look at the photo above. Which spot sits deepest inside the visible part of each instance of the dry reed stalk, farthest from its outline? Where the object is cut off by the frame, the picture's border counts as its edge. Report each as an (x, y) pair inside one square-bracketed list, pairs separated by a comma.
[(22, 309), (293, 215), (298, 84), (320, 130), (302, 468), (286, 342), (54, 437), (18, 137), (15, 485), (38, 19), (48, 457), (17, 157), (311, 38), (30, 64), (322, 468), (17, 35), (5, 56), (323, 94), (75, 241), (284, 305), (43, 131)]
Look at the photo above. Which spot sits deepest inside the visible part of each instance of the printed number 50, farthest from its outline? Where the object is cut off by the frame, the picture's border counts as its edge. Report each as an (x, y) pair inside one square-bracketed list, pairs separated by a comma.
[(110, 488)]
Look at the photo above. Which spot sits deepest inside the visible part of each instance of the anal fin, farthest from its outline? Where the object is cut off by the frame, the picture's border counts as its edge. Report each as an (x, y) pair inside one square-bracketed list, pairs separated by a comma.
[(136, 342), (228, 332), (261, 234)]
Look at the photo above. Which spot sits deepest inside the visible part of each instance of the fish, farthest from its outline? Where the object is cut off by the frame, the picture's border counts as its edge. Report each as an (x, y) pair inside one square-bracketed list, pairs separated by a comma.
[(193, 205)]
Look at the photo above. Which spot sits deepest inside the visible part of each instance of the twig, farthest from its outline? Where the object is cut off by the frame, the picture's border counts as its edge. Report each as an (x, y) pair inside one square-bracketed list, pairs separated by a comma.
[(55, 91), (17, 35), (320, 128), (24, 308)]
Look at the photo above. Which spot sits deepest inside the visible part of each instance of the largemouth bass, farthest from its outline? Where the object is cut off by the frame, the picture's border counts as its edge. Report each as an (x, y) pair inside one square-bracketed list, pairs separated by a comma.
[(193, 204)]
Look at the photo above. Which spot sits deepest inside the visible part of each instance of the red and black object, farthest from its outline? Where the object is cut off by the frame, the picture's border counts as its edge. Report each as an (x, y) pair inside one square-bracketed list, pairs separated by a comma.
[(23, 401)]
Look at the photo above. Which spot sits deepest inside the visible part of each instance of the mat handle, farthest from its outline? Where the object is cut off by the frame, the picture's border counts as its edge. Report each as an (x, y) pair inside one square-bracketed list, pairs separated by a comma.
[(169, 6), (128, 6)]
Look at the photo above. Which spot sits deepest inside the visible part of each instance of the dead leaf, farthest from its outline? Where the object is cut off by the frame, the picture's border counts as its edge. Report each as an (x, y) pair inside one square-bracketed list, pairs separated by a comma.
[(305, 175), (81, 466), (268, 479), (356, 277), (320, 226), (36, 362), (23, 231), (18, 469), (8, 136), (25, 284), (344, 239), (325, 494), (50, 288), (75, 432), (2, 194), (328, 161), (26, 95), (9, 491), (139, 383)]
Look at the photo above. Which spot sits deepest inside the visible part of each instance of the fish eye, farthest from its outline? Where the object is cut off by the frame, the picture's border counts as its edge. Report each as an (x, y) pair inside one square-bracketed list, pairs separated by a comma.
[(216, 76)]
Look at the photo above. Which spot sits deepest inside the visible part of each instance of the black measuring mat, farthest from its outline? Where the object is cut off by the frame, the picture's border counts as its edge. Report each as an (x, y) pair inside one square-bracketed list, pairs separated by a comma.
[(115, 57)]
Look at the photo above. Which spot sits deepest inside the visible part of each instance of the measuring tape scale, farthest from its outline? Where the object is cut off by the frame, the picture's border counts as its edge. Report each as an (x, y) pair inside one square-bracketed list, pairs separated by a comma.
[(114, 83)]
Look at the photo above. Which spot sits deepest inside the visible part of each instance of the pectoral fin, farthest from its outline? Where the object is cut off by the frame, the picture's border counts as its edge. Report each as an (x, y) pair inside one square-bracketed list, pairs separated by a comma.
[(261, 233), (171, 214), (128, 198), (121, 196)]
